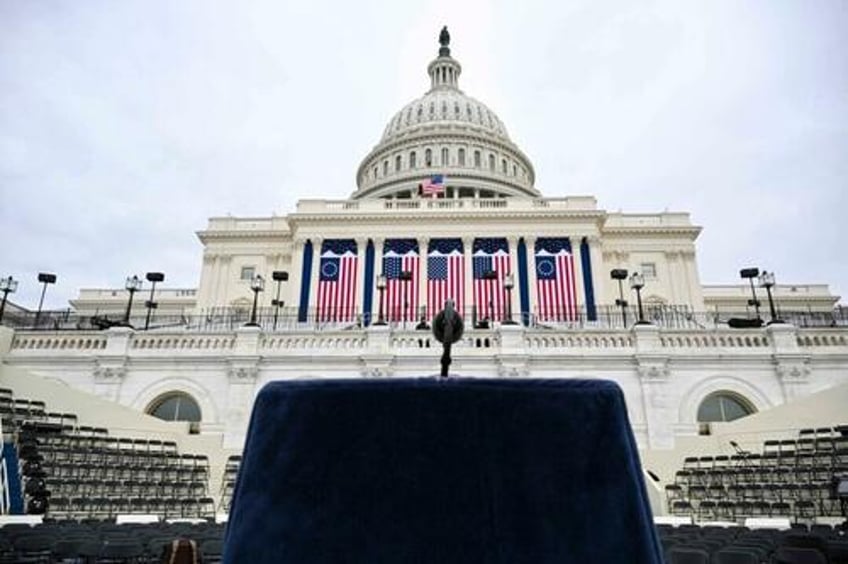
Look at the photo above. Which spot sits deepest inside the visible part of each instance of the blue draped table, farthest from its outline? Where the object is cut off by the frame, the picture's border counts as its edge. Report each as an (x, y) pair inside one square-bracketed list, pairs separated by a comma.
[(432, 471)]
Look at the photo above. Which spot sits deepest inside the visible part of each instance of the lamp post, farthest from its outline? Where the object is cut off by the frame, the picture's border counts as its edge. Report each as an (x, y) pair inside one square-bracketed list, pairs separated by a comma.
[(381, 287), (257, 284), (279, 276), (405, 278), (44, 278), (153, 278), (133, 285), (620, 274), (8, 286), (750, 274), (637, 282), (509, 284), (767, 282)]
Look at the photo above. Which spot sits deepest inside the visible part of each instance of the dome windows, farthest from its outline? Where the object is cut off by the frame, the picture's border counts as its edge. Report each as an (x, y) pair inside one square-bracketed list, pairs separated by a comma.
[(503, 165), (385, 167), (477, 163), (460, 154), (412, 163), (491, 162), (445, 160), (428, 157), (397, 163)]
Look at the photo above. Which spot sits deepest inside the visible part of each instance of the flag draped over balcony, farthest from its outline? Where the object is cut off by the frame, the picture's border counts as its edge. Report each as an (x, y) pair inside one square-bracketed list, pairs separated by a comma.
[(337, 281), (490, 255), (445, 275), (401, 296), (555, 280)]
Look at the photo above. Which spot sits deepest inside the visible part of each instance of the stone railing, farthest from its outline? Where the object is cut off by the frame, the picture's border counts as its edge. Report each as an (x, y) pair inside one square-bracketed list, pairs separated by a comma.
[(41, 341), (577, 203), (730, 338), (122, 341)]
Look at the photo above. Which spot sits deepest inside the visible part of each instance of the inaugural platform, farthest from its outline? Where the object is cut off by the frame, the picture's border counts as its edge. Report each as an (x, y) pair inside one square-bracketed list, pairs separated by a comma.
[(441, 471)]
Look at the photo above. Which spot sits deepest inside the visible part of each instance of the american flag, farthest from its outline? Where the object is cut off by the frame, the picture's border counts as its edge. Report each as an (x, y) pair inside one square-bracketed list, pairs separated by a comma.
[(445, 275), (489, 295), (555, 280), (400, 255), (433, 185), (337, 280)]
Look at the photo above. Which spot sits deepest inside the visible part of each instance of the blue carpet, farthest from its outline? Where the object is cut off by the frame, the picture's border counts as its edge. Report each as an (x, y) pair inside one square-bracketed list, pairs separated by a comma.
[(440, 472)]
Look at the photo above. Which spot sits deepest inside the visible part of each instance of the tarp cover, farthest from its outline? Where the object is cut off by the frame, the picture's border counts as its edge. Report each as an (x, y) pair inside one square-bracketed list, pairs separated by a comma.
[(431, 471)]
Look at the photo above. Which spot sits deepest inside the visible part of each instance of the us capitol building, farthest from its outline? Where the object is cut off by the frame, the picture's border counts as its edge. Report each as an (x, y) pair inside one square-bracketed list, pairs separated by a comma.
[(446, 208)]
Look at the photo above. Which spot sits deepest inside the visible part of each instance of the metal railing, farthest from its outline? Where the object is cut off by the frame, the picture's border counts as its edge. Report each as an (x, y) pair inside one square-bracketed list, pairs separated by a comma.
[(289, 318)]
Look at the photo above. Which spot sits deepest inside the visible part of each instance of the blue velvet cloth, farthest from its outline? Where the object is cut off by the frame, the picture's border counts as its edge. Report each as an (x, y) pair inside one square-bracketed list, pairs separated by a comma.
[(433, 471)]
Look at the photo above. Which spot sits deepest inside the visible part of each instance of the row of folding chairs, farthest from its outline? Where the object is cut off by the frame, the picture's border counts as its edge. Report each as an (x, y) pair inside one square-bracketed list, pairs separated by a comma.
[(126, 472), (100, 507), (115, 488)]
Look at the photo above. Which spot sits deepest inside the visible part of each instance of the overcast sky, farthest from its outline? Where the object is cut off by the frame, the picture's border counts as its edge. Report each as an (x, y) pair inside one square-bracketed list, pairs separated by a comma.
[(125, 125)]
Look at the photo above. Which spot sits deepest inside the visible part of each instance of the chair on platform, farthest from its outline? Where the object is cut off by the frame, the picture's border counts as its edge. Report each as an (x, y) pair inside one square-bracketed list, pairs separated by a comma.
[(681, 555), (790, 555)]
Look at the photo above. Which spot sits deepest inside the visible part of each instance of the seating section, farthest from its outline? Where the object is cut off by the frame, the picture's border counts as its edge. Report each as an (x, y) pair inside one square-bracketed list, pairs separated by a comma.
[(790, 478), (228, 483), (100, 542), (74, 471), (691, 544)]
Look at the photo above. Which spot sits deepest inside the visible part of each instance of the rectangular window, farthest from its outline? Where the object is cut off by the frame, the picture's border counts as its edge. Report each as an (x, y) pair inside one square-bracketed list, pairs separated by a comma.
[(247, 272), (649, 269)]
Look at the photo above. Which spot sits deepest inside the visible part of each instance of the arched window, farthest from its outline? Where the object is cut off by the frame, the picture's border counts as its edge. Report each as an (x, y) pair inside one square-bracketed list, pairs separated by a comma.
[(175, 406), (492, 162), (461, 157), (412, 159), (444, 156), (477, 159), (428, 157), (397, 163), (724, 406), (385, 167), (375, 172), (503, 166)]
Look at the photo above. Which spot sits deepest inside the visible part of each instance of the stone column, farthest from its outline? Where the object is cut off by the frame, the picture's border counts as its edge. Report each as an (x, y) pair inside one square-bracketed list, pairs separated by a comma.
[(515, 293), (597, 261), (530, 243), (468, 298), (579, 287), (292, 292), (361, 245), (313, 276), (422, 274)]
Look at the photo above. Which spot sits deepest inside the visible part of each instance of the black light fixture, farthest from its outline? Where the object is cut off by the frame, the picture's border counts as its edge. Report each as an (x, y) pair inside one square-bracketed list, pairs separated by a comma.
[(750, 274), (381, 287), (133, 285), (509, 284), (8, 286), (620, 274), (257, 284), (153, 278), (767, 281), (637, 282), (44, 278), (405, 277), (279, 276)]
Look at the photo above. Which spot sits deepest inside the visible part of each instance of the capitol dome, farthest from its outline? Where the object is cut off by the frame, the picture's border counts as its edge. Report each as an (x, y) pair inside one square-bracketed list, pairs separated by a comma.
[(445, 132)]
